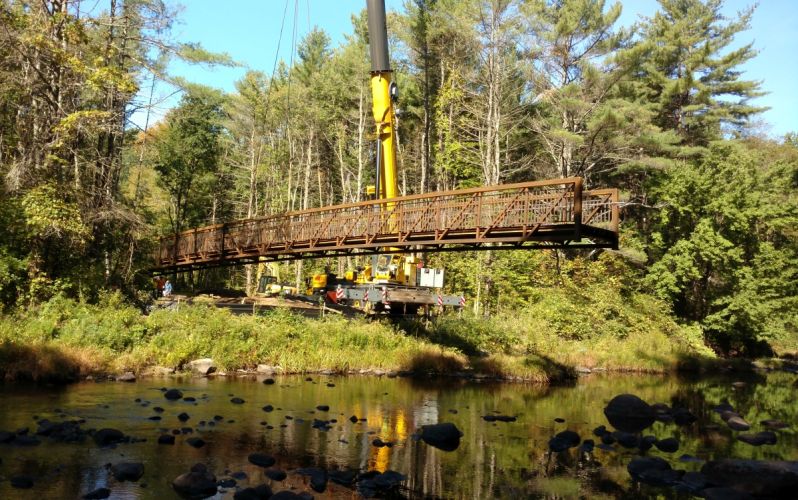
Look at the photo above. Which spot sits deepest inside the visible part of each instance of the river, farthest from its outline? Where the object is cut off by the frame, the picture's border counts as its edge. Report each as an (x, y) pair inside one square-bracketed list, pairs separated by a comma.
[(494, 458)]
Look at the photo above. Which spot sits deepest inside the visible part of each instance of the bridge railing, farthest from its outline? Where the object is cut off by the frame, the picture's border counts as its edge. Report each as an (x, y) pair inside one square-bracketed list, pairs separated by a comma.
[(508, 213)]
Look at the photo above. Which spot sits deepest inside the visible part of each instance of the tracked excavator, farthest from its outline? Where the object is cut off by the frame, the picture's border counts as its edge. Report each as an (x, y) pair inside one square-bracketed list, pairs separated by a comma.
[(392, 282)]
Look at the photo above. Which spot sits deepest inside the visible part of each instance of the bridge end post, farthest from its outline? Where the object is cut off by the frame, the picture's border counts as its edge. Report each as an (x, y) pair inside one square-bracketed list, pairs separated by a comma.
[(578, 208)]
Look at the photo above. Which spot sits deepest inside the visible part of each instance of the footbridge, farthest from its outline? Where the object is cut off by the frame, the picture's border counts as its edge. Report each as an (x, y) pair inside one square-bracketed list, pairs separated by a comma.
[(539, 214)]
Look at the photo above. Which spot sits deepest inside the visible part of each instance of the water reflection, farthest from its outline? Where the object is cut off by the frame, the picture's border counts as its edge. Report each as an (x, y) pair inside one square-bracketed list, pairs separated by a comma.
[(495, 459)]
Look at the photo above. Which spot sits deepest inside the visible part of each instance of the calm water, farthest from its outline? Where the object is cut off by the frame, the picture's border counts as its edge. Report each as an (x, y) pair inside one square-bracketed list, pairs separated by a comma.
[(508, 460)]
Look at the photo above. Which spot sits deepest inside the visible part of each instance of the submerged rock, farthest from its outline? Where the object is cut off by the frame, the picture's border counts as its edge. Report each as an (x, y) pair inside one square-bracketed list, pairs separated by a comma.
[(318, 478), (765, 478), (654, 471), (372, 484), (107, 437), (261, 459), (166, 439), (445, 436), (285, 495), (173, 394), (195, 442), (98, 494), (237, 401), (197, 483), (629, 413), (774, 424), (563, 441), (668, 445), (22, 482), (737, 423), (683, 416), (127, 471), (275, 474), (758, 439), (262, 492)]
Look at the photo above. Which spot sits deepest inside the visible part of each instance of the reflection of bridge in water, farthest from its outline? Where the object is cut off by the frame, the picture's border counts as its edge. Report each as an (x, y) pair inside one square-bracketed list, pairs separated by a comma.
[(540, 214)]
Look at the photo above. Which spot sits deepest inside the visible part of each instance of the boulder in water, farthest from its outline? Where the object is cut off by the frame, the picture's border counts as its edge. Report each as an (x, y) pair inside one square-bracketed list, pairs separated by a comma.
[(98, 494), (445, 436), (204, 366), (761, 478), (563, 441), (197, 483), (668, 445), (127, 471), (738, 424), (275, 474), (758, 439), (21, 482), (261, 459), (318, 478), (107, 437), (195, 442), (261, 492), (173, 394), (629, 413)]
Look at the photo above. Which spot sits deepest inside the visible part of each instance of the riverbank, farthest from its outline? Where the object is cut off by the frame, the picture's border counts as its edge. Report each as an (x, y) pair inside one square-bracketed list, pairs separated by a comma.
[(65, 340)]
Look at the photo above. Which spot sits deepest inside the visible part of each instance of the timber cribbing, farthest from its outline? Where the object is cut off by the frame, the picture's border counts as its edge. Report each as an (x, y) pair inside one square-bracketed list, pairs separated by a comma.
[(539, 214)]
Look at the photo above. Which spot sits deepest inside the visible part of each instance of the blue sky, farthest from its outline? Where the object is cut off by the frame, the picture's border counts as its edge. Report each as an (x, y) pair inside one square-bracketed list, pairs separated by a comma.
[(249, 31)]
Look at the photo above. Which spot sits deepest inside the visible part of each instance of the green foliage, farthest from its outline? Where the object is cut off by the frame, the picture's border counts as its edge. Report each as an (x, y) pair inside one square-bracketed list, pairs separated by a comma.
[(724, 247), (48, 215), (188, 151)]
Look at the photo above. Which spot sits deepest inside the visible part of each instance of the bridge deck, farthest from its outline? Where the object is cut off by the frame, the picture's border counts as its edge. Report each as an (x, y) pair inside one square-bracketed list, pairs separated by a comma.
[(541, 214)]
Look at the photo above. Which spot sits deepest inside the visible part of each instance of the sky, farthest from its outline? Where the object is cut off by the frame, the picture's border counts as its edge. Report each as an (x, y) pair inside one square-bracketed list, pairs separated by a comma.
[(249, 31)]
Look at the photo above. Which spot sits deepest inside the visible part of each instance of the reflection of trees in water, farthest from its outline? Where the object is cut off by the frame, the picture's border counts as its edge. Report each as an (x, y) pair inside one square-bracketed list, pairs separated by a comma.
[(494, 459)]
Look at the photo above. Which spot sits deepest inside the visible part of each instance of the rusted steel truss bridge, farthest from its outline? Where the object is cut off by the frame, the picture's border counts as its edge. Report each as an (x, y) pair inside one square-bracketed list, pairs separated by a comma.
[(540, 214)]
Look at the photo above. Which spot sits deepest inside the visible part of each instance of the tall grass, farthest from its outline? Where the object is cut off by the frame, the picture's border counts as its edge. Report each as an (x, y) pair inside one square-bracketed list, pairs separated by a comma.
[(543, 342)]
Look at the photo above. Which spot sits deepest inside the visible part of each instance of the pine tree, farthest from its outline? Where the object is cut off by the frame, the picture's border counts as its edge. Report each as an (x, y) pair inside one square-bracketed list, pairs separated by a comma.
[(692, 76)]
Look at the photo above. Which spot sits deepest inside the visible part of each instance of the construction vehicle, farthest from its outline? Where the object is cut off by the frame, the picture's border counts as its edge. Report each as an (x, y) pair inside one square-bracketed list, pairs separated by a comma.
[(268, 279), (392, 282)]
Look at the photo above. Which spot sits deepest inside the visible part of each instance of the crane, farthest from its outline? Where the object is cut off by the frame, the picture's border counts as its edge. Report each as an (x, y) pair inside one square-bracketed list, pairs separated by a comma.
[(394, 281)]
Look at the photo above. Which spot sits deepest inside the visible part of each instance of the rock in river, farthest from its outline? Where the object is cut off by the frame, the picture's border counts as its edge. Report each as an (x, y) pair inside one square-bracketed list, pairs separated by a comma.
[(758, 439), (654, 471), (237, 401), (166, 439), (765, 478), (668, 445), (737, 423), (173, 394), (261, 492), (107, 437), (198, 483), (127, 471), (261, 459), (318, 478), (195, 442), (445, 436), (629, 413), (204, 366), (275, 474), (563, 441), (98, 494), (22, 482)]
